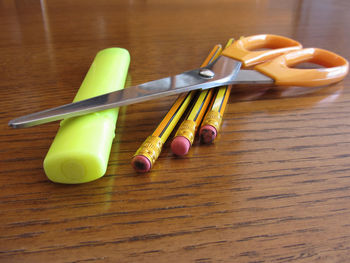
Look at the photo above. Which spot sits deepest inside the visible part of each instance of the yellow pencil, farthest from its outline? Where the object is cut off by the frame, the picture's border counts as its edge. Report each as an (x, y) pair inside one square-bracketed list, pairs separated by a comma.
[(150, 149), (211, 123), (186, 132)]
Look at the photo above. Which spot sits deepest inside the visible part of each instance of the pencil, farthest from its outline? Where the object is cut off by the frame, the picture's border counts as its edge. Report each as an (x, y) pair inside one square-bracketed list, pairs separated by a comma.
[(150, 149), (212, 121), (185, 134)]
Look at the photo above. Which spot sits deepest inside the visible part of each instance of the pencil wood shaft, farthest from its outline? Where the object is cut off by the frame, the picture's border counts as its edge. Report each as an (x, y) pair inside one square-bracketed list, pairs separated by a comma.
[(216, 109), (168, 123), (166, 126), (188, 127)]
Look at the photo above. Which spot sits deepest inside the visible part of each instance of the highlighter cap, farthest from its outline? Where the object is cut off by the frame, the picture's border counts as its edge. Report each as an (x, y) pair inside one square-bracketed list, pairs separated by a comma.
[(81, 148)]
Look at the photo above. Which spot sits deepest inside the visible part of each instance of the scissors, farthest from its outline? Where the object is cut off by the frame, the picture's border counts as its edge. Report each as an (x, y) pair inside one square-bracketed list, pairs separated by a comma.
[(271, 66)]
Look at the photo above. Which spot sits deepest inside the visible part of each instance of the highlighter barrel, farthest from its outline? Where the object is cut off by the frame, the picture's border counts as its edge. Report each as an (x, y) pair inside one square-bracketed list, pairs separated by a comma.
[(81, 148)]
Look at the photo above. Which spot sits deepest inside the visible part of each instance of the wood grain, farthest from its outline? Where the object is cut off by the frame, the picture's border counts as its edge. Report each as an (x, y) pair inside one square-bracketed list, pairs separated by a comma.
[(275, 186)]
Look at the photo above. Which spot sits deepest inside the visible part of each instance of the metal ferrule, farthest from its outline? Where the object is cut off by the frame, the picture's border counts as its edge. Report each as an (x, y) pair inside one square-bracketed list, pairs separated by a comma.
[(150, 148), (187, 129), (213, 118)]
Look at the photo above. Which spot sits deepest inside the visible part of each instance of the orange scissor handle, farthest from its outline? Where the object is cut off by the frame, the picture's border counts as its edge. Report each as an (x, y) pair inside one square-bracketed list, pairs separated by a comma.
[(243, 49), (335, 68)]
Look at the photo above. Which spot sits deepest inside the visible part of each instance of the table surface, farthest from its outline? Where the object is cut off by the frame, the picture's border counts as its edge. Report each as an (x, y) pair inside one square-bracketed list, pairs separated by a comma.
[(274, 187)]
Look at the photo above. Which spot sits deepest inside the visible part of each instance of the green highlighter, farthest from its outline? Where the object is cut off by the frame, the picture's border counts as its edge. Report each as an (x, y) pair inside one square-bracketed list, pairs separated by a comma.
[(81, 148)]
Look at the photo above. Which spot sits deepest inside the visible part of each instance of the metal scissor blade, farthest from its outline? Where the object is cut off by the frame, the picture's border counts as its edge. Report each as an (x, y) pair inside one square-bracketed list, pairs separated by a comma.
[(251, 77), (225, 70)]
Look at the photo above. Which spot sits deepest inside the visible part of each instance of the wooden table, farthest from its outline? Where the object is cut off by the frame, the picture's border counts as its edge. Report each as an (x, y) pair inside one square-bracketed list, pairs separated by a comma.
[(274, 187)]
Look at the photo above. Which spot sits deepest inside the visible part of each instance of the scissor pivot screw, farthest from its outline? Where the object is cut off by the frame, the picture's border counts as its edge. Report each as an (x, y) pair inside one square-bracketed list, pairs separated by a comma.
[(206, 73)]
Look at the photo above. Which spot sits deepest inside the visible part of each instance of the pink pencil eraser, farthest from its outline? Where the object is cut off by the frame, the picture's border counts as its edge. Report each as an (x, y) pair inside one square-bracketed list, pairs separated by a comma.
[(141, 164), (180, 145), (207, 133)]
